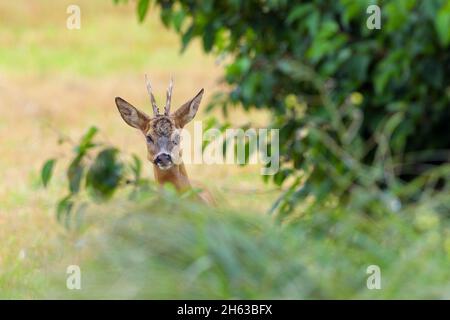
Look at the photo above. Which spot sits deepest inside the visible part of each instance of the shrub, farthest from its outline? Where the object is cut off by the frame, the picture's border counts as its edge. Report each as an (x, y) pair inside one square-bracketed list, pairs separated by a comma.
[(340, 93)]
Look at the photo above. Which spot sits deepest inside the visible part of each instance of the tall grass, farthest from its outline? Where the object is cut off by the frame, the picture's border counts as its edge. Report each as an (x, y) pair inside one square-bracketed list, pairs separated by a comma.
[(167, 248)]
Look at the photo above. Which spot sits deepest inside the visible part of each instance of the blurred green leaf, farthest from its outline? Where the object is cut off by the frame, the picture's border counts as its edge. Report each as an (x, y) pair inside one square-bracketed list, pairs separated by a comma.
[(142, 8), (86, 141), (442, 24), (178, 19), (47, 170), (299, 12), (75, 175), (104, 174), (64, 209), (136, 167)]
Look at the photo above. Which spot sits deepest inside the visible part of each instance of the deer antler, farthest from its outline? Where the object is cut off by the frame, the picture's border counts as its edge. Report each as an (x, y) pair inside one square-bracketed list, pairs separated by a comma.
[(169, 98), (152, 98)]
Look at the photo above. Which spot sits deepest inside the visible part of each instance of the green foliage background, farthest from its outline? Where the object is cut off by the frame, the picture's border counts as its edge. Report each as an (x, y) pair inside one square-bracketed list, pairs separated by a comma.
[(340, 93)]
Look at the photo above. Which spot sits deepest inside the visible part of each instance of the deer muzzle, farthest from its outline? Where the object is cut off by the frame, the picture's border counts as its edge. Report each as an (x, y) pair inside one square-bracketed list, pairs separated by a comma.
[(163, 161)]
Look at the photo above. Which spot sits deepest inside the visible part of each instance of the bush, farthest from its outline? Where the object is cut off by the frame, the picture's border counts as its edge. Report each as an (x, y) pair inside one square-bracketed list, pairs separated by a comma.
[(340, 93)]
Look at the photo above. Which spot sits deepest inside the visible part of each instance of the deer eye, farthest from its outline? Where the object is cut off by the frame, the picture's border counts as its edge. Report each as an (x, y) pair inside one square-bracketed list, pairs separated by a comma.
[(176, 140), (149, 139)]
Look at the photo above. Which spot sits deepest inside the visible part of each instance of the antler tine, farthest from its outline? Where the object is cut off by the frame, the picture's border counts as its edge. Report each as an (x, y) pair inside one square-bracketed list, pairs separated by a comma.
[(169, 98), (152, 98)]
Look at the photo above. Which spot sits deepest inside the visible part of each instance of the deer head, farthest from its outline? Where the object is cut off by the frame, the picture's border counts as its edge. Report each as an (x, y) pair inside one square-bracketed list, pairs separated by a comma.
[(162, 131)]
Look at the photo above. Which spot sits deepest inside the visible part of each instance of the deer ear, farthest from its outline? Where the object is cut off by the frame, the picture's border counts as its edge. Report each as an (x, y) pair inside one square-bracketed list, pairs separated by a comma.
[(187, 111), (135, 118)]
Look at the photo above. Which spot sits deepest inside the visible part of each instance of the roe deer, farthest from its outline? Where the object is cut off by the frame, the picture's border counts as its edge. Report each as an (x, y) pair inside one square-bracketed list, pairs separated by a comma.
[(162, 134)]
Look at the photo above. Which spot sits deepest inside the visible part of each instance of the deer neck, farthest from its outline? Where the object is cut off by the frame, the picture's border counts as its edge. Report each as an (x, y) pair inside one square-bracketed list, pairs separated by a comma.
[(176, 175)]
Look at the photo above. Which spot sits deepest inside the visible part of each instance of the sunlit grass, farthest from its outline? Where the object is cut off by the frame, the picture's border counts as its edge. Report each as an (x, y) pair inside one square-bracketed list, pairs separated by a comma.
[(108, 43), (57, 81)]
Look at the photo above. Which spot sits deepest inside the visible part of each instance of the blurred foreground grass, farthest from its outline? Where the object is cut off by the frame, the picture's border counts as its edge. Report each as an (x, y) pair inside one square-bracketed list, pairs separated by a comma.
[(167, 248)]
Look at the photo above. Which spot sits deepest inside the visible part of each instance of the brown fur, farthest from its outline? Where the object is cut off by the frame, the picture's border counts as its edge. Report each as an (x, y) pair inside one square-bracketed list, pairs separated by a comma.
[(176, 175), (162, 126)]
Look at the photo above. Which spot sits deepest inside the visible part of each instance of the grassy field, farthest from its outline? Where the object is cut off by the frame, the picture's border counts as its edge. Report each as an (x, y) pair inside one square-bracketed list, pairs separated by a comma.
[(57, 81)]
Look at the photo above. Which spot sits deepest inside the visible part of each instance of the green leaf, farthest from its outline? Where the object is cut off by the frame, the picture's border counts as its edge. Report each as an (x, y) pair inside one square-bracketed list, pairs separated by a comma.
[(105, 174), (442, 24), (398, 12), (136, 167), (87, 138), (239, 67), (47, 170), (75, 174), (280, 176), (142, 8), (64, 208), (208, 38), (299, 12), (312, 22), (187, 37), (166, 17), (86, 141), (177, 19)]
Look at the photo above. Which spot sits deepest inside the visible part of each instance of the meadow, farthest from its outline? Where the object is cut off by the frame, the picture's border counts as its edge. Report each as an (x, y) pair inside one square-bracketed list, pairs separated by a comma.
[(55, 83)]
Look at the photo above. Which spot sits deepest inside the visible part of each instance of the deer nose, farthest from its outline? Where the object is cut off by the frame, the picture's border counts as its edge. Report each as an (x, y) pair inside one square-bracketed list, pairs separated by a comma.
[(163, 159)]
